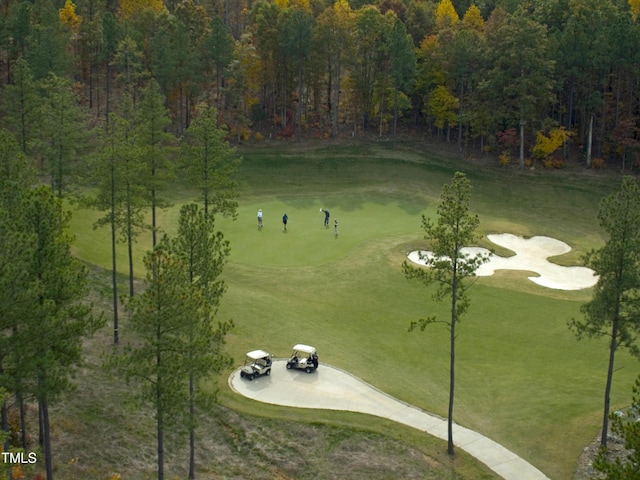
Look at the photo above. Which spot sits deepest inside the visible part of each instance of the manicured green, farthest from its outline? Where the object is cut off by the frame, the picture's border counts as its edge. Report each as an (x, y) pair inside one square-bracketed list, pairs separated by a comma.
[(522, 377)]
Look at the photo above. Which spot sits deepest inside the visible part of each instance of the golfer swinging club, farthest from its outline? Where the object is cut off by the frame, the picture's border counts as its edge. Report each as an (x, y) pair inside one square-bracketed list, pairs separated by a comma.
[(326, 217)]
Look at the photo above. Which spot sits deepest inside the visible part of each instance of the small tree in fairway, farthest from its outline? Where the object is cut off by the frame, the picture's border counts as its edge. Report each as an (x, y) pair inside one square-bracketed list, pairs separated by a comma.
[(448, 266), (613, 310)]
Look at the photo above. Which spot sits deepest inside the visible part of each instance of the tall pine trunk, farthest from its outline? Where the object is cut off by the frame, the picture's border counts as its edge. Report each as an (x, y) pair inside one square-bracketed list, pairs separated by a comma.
[(114, 273), (607, 391), (46, 436), (452, 365)]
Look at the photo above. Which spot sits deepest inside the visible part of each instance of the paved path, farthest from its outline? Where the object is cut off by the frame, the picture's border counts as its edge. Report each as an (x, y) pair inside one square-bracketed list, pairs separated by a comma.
[(333, 389)]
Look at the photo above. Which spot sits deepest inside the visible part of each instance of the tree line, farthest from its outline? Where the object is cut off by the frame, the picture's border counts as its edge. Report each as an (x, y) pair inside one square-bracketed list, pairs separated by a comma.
[(175, 342), (496, 75), (121, 166)]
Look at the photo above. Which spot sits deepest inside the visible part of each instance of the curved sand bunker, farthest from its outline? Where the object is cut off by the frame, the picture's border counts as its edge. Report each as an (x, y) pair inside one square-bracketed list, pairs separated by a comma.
[(530, 255)]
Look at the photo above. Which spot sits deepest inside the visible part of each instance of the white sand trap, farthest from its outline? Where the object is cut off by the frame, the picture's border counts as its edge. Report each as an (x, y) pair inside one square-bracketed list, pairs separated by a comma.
[(530, 255)]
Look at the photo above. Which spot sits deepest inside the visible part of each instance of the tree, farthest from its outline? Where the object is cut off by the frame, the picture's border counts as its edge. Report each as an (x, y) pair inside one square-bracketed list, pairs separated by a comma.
[(371, 30), (209, 163), (627, 427), (332, 38), (204, 253), (520, 80), (613, 309), (21, 106), (117, 177), (446, 15), (443, 106), (219, 54), (159, 320), (16, 179), (448, 266), (48, 341), (171, 320), (62, 130), (296, 43), (403, 64), (46, 49), (153, 119)]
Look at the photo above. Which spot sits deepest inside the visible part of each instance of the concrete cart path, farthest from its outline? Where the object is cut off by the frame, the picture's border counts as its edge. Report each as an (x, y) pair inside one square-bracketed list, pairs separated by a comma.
[(333, 389)]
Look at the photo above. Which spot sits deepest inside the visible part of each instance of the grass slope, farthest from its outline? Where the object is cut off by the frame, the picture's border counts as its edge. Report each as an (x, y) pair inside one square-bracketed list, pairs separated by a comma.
[(522, 377)]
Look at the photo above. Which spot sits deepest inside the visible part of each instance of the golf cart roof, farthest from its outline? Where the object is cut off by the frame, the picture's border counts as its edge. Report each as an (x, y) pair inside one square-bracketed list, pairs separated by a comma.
[(256, 354), (304, 348)]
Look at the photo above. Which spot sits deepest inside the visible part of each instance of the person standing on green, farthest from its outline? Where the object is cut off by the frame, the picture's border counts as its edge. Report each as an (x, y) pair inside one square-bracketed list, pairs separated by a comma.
[(326, 217), (285, 219)]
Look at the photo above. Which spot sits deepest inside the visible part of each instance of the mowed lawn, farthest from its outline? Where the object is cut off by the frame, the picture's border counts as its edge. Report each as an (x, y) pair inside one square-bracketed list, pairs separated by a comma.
[(522, 377)]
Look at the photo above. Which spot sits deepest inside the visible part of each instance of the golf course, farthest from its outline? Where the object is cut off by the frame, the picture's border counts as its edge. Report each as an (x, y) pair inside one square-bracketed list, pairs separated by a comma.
[(522, 377)]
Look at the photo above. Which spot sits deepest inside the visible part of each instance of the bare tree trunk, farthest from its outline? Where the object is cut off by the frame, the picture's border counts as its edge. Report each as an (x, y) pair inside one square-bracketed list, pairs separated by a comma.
[(46, 437), (452, 375), (589, 141), (607, 391)]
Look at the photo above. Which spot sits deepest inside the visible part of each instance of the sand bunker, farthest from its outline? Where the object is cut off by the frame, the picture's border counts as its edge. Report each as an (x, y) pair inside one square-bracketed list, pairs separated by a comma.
[(530, 255)]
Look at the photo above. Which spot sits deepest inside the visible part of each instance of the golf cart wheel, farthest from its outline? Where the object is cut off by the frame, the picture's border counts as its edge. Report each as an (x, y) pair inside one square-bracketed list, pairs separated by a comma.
[(268, 372), (250, 377), (288, 366), (308, 369)]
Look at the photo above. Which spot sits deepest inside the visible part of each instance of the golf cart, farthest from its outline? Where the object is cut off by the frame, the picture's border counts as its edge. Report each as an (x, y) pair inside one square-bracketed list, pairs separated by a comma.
[(257, 362), (304, 358)]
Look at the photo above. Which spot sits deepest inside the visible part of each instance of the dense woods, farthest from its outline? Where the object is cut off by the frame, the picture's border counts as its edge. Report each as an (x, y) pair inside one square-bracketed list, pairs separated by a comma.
[(543, 80)]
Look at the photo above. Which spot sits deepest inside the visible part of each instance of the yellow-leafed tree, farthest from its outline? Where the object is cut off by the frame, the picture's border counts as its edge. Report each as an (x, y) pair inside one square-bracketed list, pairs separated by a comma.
[(68, 16), (473, 18), (446, 14), (634, 7), (130, 8), (546, 145)]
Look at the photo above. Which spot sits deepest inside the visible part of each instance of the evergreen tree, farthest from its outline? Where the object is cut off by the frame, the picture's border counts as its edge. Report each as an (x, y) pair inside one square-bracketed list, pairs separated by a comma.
[(48, 340), (153, 140), (62, 134), (176, 345), (21, 106), (204, 253), (209, 163), (613, 310), (448, 267)]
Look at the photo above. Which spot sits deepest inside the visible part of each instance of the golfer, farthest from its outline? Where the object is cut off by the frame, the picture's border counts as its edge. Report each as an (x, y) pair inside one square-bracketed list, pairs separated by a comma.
[(335, 226), (285, 219), (326, 217), (260, 218)]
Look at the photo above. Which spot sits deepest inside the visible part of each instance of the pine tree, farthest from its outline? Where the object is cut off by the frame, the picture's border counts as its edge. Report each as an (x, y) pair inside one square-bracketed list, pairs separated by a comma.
[(48, 340), (153, 140), (448, 267), (175, 341), (209, 163), (204, 253), (613, 310)]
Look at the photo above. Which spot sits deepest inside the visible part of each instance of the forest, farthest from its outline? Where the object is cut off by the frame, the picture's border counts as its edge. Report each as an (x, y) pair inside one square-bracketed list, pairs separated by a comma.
[(542, 80)]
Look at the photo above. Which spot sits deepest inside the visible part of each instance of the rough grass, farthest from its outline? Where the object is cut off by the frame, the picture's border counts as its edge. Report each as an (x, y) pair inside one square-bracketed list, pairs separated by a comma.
[(101, 429), (523, 379)]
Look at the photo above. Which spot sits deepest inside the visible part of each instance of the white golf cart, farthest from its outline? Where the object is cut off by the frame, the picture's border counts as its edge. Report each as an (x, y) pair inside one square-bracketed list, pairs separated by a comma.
[(257, 362), (304, 357)]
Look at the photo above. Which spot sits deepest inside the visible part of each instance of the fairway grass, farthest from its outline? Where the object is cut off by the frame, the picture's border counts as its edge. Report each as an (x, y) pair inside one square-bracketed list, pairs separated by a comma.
[(522, 377)]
